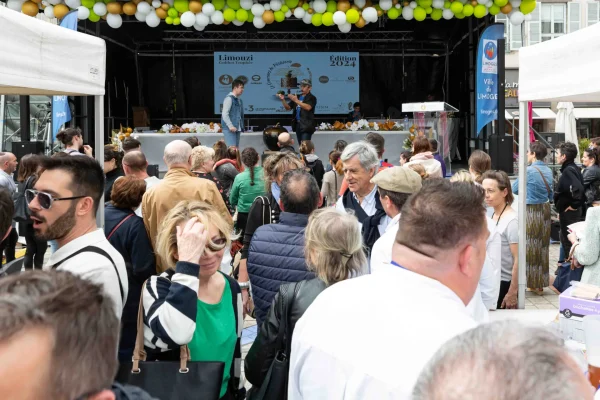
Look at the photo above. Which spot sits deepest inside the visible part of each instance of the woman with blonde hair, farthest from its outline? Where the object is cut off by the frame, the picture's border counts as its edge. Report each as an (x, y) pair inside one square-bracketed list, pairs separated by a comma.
[(332, 180), (462, 176), (191, 302), (419, 169), (334, 252), (203, 165)]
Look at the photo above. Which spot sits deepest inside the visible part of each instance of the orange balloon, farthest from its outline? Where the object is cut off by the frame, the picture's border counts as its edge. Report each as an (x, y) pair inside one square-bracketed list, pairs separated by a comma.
[(361, 23), (310, 11), (379, 13), (114, 8), (129, 8), (160, 13), (355, 7), (268, 17), (506, 9), (195, 6), (165, 6), (474, 3), (30, 8), (137, 1), (60, 10), (37, 1), (369, 3), (343, 5)]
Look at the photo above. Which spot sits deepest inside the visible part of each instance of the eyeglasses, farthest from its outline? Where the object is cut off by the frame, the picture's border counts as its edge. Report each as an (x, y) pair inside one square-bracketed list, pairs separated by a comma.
[(45, 199)]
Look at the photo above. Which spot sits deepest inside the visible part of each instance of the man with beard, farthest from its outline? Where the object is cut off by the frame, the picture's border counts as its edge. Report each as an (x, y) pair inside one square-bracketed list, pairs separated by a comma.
[(63, 207)]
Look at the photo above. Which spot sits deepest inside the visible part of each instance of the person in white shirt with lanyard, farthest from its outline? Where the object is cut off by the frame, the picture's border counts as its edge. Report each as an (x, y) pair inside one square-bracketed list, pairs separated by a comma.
[(406, 313), (63, 207)]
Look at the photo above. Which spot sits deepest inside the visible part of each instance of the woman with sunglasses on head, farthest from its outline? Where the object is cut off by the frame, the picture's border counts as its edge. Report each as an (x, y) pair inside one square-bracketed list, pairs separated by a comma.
[(191, 302)]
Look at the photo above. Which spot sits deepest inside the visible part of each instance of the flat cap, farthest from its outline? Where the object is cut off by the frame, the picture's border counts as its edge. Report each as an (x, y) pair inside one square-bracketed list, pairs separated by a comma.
[(398, 179)]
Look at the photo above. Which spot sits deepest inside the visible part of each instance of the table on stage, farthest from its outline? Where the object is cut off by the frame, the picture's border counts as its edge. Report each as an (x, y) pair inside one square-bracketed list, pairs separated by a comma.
[(153, 144)]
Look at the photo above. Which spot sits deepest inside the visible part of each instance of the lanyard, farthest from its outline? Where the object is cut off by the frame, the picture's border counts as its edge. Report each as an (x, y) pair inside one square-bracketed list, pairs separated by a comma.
[(394, 263)]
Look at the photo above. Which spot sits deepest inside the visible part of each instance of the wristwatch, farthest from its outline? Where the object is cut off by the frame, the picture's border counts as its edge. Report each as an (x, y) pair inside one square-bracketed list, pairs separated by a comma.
[(244, 285)]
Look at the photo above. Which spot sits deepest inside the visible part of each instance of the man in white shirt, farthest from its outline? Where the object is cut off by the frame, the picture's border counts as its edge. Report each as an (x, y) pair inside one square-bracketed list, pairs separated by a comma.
[(395, 185), (136, 165), (369, 337), (63, 207)]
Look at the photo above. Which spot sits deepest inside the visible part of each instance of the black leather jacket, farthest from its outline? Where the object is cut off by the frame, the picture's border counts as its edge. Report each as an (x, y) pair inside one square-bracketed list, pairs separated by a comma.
[(591, 184), (266, 345)]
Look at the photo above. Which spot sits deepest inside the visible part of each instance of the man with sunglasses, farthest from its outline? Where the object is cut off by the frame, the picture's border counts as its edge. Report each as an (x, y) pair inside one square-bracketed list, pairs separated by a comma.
[(63, 207)]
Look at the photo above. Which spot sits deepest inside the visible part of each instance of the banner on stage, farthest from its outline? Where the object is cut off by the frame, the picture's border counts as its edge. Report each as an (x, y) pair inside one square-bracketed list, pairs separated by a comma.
[(487, 76), (61, 113), (334, 76)]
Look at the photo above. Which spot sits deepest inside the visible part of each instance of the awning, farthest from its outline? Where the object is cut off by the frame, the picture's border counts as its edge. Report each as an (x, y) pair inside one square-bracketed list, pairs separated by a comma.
[(538, 113), (586, 112)]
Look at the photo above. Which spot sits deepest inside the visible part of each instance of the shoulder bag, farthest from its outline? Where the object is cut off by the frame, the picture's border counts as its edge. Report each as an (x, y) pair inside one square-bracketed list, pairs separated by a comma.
[(22, 211), (544, 179), (174, 380)]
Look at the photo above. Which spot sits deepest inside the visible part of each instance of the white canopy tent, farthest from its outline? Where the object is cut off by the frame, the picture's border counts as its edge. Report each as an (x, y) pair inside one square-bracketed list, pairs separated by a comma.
[(563, 69), (38, 58)]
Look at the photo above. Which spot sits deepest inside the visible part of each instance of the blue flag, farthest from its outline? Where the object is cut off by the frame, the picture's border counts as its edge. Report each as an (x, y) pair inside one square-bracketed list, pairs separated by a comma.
[(486, 88), (61, 112)]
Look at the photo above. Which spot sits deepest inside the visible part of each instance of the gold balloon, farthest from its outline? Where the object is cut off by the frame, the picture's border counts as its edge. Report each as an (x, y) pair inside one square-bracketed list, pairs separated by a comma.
[(60, 10), (406, 4), (369, 3), (137, 1), (30, 8), (268, 17), (129, 8), (474, 3), (310, 11), (361, 23), (165, 6), (37, 1), (355, 7), (379, 13), (506, 9), (114, 7), (343, 5), (195, 6), (160, 13), (394, 2)]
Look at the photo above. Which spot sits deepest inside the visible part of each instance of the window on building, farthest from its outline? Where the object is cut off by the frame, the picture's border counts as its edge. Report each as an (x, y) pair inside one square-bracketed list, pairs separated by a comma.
[(574, 10), (512, 34), (553, 21), (535, 29), (593, 12)]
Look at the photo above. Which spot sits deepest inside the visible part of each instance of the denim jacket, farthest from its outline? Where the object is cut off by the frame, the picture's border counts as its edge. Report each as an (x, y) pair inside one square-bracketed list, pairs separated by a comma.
[(537, 193)]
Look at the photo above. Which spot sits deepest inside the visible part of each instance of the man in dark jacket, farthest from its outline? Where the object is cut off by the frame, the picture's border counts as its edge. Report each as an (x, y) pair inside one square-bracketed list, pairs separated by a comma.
[(569, 196), (303, 106), (276, 252)]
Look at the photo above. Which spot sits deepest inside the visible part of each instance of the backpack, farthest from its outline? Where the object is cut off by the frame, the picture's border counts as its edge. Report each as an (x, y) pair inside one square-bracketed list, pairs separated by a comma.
[(22, 212)]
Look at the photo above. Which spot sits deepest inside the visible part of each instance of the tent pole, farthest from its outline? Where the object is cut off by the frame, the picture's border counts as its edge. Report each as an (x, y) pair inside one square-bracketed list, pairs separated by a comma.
[(99, 148), (523, 149), (2, 122)]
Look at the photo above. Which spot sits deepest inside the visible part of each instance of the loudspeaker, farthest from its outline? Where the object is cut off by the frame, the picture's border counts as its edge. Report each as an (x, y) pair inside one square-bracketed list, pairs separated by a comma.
[(553, 138), (501, 153), (21, 149)]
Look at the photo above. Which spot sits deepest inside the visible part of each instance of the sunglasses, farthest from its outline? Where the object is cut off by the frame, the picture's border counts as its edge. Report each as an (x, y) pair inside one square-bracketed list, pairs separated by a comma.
[(45, 199)]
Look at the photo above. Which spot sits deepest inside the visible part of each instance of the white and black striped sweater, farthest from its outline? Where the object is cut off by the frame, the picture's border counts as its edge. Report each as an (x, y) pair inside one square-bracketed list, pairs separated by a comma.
[(170, 306)]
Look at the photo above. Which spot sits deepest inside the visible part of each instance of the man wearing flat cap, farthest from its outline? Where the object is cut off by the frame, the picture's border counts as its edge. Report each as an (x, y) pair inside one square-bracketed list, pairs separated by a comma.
[(395, 186), (303, 114)]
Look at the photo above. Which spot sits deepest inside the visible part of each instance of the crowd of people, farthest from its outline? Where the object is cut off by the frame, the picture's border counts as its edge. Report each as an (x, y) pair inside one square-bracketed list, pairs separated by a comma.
[(323, 256)]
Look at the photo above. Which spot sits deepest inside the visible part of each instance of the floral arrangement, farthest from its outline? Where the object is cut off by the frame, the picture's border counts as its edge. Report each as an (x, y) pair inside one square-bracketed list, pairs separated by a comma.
[(193, 127), (361, 125)]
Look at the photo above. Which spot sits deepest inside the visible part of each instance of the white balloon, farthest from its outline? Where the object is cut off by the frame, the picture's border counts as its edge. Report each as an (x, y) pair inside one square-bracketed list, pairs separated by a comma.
[(339, 17), (208, 9), (307, 19), (188, 19), (370, 14), (199, 27), (53, 2), (385, 4), (413, 4), (143, 8), (447, 14), (217, 18), (83, 12), (515, 3), (360, 3), (408, 13), (276, 5), (345, 28), (16, 5), (288, 13), (156, 3), (152, 20), (258, 22), (528, 17), (320, 6), (139, 16), (267, 7), (114, 20), (257, 10), (237, 22), (45, 3), (438, 4), (73, 4), (398, 6), (169, 2), (100, 9), (49, 12), (517, 18), (246, 4), (202, 19), (299, 12)]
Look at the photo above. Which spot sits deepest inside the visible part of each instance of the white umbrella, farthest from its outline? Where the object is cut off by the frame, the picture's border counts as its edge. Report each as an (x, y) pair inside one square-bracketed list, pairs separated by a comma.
[(565, 122)]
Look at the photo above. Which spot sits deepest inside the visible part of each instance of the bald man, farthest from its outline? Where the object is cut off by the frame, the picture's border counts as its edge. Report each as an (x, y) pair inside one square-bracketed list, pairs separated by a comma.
[(8, 166), (286, 144), (179, 184), (135, 165)]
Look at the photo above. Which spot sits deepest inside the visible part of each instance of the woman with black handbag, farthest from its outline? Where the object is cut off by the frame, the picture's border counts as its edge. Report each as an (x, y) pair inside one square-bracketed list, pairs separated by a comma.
[(334, 251), (191, 311)]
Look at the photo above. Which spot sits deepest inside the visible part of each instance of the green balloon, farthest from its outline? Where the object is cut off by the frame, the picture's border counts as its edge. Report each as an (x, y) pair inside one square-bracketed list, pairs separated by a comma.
[(460, 15), (291, 3), (305, 6), (241, 15), (429, 10), (285, 8), (176, 21), (393, 13), (327, 19), (456, 7), (229, 14), (93, 16), (352, 16), (172, 13), (494, 10), (279, 16), (235, 4), (447, 4), (250, 17), (219, 4), (426, 3), (527, 7), (181, 5), (317, 19), (420, 14), (468, 10), (331, 6), (500, 3), (205, 1), (436, 14), (169, 21), (88, 3), (108, 1), (479, 11)]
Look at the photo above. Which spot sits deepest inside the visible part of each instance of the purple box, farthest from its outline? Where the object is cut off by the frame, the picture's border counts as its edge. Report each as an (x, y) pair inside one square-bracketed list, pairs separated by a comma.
[(572, 311)]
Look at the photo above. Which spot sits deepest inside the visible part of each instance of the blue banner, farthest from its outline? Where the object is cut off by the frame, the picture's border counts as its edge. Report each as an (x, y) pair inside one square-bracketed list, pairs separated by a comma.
[(334, 76), (486, 88), (61, 113)]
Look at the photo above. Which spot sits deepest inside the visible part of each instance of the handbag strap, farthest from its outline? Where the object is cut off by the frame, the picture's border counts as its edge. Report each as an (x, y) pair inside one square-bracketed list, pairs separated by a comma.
[(265, 203), (544, 179), (283, 326), (118, 225), (139, 354)]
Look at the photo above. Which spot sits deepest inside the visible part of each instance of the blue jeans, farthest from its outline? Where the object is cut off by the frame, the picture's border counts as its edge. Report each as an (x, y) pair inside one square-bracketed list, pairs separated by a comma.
[(232, 138), (303, 136)]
